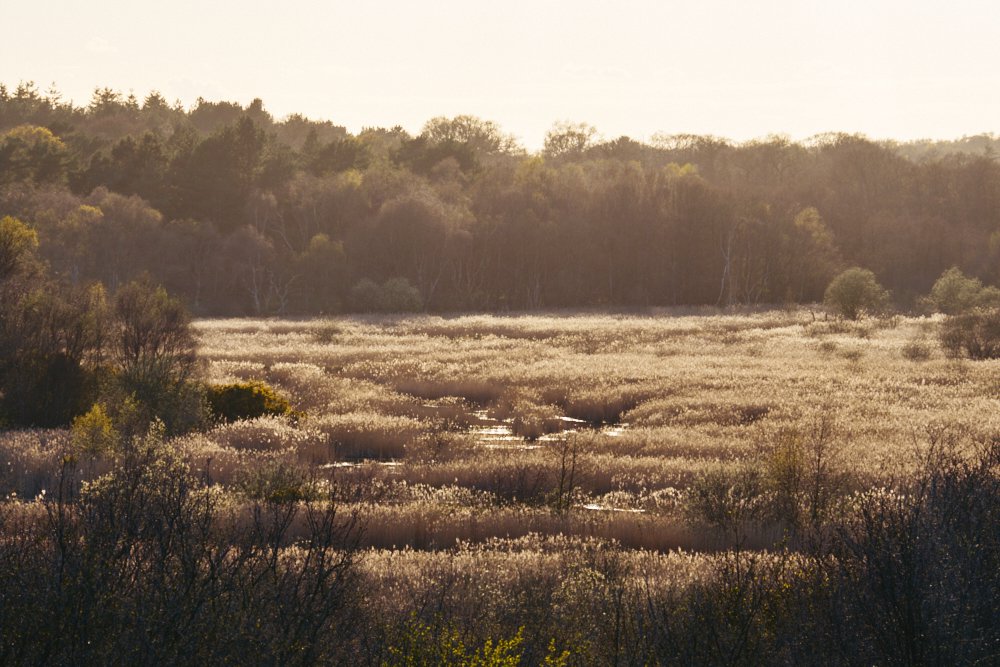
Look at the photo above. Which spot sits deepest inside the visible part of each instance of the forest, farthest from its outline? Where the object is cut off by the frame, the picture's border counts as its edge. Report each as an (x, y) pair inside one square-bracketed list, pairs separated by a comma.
[(238, 213)]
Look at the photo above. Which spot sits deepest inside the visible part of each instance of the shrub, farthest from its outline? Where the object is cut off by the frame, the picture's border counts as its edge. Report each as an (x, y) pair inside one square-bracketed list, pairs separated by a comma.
[(46, 389), (727, 500), (93, 433), (275, 482), (856, 291), (954, 293), (366, 296), (916, 350), (146, 566), (396, 295), (399, 296), (975, 334), (156, 363), (245, 400), (423, 644), (989, 297), (47, 333), (919, 565)]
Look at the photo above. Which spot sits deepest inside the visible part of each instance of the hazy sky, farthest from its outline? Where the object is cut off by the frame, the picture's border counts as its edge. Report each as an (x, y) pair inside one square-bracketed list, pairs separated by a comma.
[(740, 69)]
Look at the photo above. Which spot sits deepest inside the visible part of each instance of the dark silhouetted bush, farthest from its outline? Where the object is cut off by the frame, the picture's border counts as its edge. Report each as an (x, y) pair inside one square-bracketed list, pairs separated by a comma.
[(399, 296), (146, 565), (975, 335), (395, 295), (47, 390), (156, 365)]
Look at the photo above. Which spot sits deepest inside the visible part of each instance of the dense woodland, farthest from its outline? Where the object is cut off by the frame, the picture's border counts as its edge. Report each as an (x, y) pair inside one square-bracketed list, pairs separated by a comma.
[(238, 213)]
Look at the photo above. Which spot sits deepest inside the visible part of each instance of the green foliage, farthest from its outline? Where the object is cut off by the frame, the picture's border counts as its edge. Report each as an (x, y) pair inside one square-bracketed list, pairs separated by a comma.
[(47, 333), (582, 222), (422, 645), (399, 296), (154, 351), (955, 293), (812, 255), (975, 335), (17, 244), (337, 156), (245, 400), (366, 295), (32, 153), (93, 432), (396, 295), (322, 265), (856, 291)]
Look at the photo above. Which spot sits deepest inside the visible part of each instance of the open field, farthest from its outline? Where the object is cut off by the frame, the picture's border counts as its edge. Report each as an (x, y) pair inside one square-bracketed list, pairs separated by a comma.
[(546, 472)]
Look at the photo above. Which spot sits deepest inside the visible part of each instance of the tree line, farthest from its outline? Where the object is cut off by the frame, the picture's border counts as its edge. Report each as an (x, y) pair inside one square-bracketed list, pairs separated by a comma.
[(238, 213)]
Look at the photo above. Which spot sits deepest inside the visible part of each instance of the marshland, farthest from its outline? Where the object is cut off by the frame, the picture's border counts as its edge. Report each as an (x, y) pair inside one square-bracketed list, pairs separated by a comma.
[(589, 488)]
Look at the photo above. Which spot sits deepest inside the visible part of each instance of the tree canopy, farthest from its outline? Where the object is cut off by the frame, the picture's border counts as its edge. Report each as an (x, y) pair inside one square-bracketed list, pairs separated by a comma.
[(237, 212)]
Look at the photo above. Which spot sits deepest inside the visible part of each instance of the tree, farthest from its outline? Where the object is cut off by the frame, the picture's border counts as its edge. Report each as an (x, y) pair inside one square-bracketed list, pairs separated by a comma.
[(132, 166), (413, 236), (810, 254), (954, 293), (32, 153), (568, 140), (854, 292), (18, 243), (336, 156), (47, 332), (154, 351), (321, 266), (484, 137), (216, 177)]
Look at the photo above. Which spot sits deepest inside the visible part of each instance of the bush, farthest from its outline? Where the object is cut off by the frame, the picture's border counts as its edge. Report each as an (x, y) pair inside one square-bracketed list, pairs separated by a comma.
[(48, 333), (423, 644), (954, 293), (856, 291), (46, 390), (918, 567), (396, 295), (916, 350), (156, 364), (399, 296), (245, 400), (366, 296), (145, 566), (975, 334), (93, 433)]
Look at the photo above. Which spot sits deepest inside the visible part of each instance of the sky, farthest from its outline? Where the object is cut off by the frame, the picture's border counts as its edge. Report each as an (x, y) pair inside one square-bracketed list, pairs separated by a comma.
[(902, 69)]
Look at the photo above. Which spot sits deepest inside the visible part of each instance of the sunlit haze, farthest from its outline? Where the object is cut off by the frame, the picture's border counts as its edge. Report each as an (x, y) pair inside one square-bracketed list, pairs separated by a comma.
[(899, 69)]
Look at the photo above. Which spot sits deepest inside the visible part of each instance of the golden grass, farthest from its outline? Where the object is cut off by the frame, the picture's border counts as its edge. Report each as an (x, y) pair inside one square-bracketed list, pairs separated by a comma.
[(692, 389), (480, 404)]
